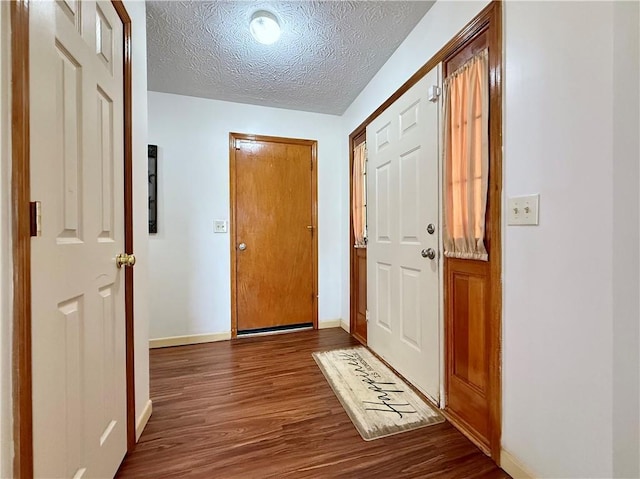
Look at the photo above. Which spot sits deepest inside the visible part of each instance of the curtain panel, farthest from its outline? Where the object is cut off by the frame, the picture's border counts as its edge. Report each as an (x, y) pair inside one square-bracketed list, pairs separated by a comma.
[(466, 159), (359, 195)]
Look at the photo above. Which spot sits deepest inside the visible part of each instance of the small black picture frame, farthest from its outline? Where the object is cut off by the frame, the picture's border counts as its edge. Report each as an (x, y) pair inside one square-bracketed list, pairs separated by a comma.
[(152, 153)]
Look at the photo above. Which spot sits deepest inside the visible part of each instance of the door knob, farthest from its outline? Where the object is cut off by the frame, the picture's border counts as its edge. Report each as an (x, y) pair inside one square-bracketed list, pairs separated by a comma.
[(428, 253), (242, 246), (124, 259)]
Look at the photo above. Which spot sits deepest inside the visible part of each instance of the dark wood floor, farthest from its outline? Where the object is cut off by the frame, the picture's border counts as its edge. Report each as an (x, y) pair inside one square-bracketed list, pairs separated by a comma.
[(260, 407)]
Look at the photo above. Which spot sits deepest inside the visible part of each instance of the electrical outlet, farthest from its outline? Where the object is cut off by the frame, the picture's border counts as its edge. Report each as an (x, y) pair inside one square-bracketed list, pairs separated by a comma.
[(219, 226), (523, 210)]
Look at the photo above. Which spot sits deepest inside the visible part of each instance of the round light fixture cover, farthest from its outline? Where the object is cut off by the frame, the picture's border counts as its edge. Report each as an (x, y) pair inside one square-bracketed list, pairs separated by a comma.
[(264, 27)]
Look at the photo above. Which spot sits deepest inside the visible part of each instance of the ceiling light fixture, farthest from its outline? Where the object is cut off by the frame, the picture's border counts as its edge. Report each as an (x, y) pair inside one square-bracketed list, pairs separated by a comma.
[(265, 27)]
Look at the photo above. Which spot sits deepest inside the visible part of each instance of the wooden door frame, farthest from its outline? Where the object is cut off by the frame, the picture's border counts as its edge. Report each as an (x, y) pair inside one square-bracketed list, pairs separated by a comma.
[(489, 18), (233, 137), (21, 235)]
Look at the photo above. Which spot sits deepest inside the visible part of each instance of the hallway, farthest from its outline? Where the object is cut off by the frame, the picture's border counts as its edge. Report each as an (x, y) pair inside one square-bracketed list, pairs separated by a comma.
[(259, 407)]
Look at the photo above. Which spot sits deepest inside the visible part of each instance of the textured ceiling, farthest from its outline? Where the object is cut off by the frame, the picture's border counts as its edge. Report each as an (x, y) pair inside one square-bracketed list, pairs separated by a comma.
[(327, 53)]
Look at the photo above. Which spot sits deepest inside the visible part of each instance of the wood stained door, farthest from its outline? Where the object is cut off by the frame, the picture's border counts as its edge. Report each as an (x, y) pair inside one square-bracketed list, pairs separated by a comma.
[(402, 251), (358, 261), (78, 299), (274, 234), (359, 294), (472, 288)]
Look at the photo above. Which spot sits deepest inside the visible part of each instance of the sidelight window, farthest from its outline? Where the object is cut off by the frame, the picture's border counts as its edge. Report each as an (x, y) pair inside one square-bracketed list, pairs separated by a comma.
[(359, 200), (466, 159)]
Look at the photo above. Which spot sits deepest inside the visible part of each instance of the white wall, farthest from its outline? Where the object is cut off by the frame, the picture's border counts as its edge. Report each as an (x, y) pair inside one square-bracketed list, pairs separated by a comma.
[(570, 284), (6, 439), (626, 239), (137, 12), (189, 264), (444, 20)]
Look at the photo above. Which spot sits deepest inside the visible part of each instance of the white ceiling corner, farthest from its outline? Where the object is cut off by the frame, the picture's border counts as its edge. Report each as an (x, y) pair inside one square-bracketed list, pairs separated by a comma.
[(327, 53)]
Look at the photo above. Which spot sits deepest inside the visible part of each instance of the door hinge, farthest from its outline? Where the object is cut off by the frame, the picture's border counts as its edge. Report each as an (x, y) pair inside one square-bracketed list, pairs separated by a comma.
[(434, 93), (35, 218), (366, 315), (236, 144)]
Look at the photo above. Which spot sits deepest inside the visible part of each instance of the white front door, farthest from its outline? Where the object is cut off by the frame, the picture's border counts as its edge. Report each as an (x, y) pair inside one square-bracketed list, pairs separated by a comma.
[(402, 285), (77, 173)]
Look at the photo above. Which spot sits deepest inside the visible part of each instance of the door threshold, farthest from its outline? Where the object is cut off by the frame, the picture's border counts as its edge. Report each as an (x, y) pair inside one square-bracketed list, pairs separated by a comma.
[(292, 328)]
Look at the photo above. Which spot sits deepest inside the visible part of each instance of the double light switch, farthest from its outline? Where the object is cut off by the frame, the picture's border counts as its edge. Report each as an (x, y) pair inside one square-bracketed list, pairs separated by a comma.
[(523, 210)]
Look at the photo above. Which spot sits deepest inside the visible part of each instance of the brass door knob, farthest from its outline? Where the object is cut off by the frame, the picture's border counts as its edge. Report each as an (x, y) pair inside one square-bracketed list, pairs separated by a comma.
[(124, 259)]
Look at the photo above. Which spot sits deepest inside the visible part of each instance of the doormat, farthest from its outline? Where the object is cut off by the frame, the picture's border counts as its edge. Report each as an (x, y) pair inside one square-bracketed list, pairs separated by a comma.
[(378, 402)]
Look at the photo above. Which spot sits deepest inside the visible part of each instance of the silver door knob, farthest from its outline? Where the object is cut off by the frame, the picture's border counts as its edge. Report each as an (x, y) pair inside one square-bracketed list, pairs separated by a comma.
[(428, 253), (242, 246)]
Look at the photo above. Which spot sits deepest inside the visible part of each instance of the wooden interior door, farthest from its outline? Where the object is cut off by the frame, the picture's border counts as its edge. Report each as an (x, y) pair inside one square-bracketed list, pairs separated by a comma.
[(403, 286), (78, 297), (471, 287), (274, 234)]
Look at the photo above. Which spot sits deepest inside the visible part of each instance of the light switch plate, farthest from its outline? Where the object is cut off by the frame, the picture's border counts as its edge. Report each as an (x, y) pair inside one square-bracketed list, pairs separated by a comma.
[(219, 226), (523, 210)]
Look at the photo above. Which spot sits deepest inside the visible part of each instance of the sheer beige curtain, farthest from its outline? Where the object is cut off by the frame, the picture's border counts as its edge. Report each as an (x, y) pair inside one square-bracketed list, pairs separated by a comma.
[(466, 159), (359, 195)]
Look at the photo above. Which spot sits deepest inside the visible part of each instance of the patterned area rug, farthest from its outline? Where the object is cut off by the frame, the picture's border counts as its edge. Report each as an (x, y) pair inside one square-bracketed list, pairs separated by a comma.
[(378, 402)]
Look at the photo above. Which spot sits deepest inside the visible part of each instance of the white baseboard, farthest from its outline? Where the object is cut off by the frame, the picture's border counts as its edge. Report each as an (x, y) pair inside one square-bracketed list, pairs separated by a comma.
[(332, 323), (514, 467), (185, 340), (142, 421)]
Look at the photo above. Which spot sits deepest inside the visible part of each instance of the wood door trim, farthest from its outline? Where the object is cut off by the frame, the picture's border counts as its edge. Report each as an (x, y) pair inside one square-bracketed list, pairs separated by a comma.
[(21, 237), (233, 137), (495, 158), (128, 222), (489, 19)]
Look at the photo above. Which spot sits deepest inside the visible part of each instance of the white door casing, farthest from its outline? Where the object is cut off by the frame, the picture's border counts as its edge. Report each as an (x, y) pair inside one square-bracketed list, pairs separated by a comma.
[(403, 199), (77, 173)]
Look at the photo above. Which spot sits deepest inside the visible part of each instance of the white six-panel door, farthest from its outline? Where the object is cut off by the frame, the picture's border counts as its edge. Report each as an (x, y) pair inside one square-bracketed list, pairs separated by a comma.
[(402, 285), (78, 325)]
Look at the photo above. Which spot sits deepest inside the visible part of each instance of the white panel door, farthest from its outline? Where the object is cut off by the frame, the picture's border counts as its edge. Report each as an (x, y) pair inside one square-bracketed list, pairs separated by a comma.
[(77, 173), (402, 285)]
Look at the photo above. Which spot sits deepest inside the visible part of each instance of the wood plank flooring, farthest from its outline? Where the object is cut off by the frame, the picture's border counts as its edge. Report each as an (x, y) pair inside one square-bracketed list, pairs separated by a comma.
[(260, 407)]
